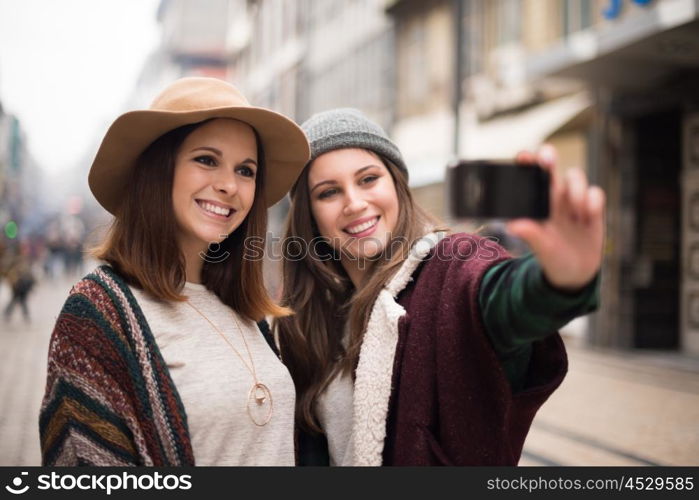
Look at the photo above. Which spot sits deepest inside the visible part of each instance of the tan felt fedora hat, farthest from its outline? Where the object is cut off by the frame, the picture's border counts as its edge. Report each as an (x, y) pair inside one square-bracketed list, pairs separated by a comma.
[(192, 100)]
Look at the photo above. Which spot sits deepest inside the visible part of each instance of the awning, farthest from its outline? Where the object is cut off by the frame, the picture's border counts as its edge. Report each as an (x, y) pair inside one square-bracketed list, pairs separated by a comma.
[(504, 137), (425, 141)]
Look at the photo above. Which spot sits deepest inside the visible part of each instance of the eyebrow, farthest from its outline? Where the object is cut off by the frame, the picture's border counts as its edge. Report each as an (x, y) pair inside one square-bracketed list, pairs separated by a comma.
[(219, 153), (335, 182)]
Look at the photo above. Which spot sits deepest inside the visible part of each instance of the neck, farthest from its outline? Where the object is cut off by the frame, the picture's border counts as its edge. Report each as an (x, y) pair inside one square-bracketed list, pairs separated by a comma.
[(357, 271), (193, 261), (193, 270)]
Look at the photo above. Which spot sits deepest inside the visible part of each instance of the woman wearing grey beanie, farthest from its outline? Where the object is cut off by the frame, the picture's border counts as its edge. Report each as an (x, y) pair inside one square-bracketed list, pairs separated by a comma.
[(411, 346)]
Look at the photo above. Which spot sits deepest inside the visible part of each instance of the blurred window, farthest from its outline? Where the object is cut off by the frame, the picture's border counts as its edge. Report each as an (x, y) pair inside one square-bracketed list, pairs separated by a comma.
[(577, 15), (417, 69), (474, 39), (509, 21)]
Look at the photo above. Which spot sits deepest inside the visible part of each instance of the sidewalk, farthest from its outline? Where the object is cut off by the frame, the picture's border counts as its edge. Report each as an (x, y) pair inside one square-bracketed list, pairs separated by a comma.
[(635, 408), (23, 353)]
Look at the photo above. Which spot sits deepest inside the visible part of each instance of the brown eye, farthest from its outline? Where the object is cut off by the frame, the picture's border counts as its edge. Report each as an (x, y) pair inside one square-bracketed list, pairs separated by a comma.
[(327, 193), (246, 171), (207, 160)]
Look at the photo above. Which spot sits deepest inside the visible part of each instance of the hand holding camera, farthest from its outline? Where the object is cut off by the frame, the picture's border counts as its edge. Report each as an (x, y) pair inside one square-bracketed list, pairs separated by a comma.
[(561, 218), (569, 243)]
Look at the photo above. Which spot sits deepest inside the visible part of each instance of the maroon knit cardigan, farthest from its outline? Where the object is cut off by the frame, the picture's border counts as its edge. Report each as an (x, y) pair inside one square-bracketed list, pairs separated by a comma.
[(451, 403)]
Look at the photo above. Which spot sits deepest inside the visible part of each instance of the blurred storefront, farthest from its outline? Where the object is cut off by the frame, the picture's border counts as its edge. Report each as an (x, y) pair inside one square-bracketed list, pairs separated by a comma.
[(612, 84), (641, 64), (462, 89), (21, 205)]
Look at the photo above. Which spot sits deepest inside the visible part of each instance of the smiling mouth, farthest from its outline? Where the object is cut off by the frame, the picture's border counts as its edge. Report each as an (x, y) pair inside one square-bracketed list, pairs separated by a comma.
[(364, 226), (215, 210)]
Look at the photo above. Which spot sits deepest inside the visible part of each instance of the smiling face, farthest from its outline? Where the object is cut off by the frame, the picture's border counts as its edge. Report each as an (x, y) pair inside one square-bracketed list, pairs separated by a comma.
[(214, 182), (353, 201)]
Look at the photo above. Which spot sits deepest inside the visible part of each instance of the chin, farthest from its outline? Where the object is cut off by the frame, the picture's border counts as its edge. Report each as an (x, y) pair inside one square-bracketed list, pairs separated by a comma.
[(212, 237), (369, 250)]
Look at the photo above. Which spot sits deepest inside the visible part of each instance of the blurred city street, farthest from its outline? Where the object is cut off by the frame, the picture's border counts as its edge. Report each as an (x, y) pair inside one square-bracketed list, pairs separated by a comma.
[(612, 409), (611, 86), (619, 409)]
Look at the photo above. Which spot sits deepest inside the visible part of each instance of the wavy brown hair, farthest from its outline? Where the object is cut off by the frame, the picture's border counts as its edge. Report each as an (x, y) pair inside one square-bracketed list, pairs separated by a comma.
[(141, 244), (320, 291)]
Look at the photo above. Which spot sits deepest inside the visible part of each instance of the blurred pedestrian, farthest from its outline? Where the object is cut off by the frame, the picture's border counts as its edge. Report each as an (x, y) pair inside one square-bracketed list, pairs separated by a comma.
[(3, 256), (54, 250), (156, 358), (21, 281), (73, 235)]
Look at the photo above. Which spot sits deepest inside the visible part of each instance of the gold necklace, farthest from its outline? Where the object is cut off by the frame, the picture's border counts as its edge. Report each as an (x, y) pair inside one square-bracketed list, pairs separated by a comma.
[(259, 391)]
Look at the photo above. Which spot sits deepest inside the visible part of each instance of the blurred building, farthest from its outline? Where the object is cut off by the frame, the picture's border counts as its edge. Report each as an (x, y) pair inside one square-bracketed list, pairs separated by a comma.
[(425, 75), (299, 57), (611, 83), (639, 139), (20, 185), (194, 42), (303, 56), (267, 62), (349, 60)]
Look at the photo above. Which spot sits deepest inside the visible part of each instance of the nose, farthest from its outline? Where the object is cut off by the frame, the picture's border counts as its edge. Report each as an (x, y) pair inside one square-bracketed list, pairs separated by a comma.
[(354, 203), (226, 182)]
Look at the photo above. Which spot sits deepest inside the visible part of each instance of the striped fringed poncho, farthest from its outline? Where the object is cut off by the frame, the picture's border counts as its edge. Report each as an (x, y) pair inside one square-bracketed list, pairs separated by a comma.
[(109, 396)]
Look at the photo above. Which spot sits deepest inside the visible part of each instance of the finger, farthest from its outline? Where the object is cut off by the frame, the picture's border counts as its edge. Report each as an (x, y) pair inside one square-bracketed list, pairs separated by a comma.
[(596, 201), (577, 189), (547, 157), (528, 230), (525, 157)]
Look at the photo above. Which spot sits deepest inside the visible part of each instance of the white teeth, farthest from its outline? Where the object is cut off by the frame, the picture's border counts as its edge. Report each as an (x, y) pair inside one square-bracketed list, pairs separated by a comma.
[(214, 209), (363, 226)]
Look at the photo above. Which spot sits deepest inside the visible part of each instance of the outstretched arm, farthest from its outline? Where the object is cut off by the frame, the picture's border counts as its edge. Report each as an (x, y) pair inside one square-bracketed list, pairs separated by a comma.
[(520, 307), (526, 299)]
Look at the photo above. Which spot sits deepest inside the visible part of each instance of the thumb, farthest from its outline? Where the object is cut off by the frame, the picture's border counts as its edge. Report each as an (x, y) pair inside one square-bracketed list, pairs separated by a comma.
[(530, 231)]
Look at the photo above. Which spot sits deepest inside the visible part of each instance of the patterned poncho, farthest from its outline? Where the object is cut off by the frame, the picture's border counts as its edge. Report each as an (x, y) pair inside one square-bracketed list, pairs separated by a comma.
[(109, 397)]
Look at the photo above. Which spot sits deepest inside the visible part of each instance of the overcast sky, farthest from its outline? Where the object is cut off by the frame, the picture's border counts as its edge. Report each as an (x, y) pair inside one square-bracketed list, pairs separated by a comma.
[(67, 66)]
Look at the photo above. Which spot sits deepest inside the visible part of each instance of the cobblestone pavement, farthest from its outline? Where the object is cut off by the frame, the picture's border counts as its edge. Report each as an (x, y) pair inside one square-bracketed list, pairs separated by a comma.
[(612, 408), (23, 351), (619, 409)]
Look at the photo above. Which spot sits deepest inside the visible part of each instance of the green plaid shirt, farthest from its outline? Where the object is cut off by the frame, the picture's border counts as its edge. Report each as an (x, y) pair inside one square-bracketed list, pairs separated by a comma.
[(520, 307)]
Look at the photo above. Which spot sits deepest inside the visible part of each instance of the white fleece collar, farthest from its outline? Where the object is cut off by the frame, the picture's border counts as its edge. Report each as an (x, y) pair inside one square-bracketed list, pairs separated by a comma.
[(372, 386)]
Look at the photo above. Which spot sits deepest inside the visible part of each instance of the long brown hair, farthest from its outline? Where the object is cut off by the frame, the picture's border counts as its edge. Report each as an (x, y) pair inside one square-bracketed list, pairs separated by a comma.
[(320, 292), (141, 244)]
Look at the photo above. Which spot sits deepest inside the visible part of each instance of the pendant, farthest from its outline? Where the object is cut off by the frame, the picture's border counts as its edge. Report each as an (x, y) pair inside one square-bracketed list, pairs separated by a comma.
[(260, 393)]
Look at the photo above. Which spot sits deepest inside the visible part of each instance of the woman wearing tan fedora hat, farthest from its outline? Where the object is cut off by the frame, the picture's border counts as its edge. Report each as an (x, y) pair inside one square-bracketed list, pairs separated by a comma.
[(156, 357)]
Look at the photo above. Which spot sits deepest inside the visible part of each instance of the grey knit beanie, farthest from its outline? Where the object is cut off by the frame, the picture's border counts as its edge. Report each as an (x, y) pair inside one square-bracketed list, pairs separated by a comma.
[(349, 128)]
